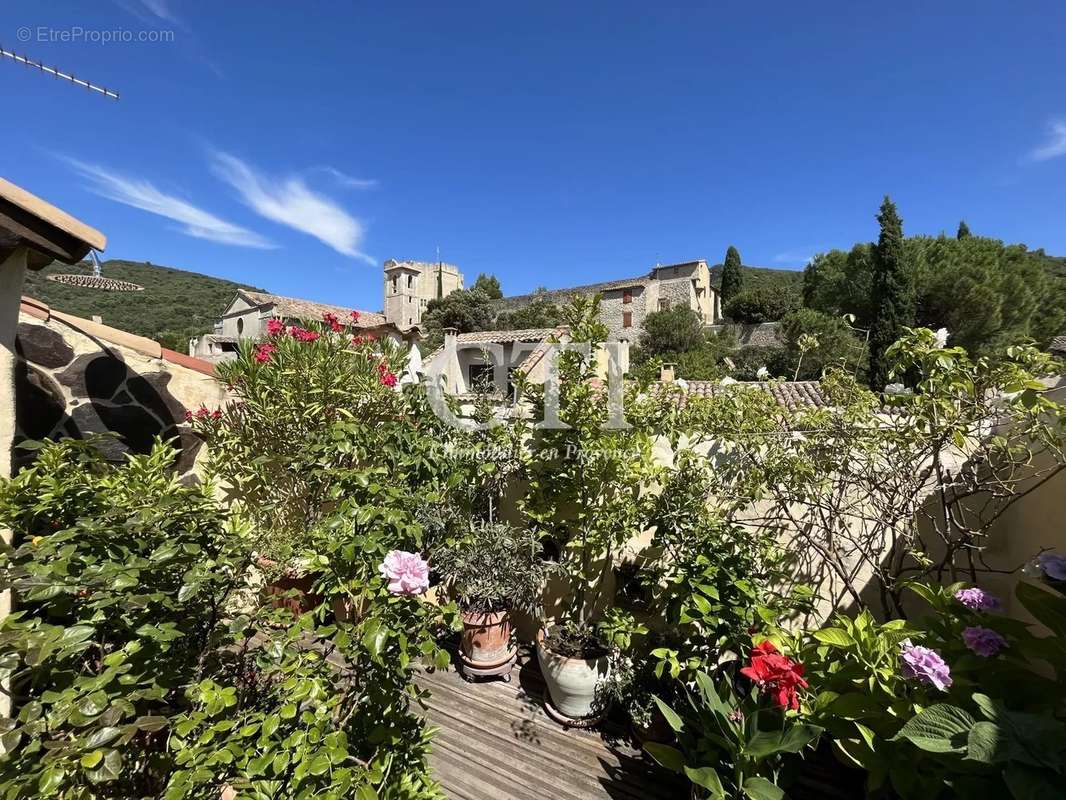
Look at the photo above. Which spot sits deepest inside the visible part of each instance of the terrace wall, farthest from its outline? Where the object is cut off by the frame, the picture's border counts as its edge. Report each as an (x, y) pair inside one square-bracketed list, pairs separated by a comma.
[(76, 376)]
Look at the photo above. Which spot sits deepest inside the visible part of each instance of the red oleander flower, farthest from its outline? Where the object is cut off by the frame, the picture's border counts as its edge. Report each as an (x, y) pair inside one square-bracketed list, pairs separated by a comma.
[(333, 322), (264, 352), (387, 378), (357, 341), (781, 676), (355, 316), (275, 327), (216, 414), (188, 416), (302, 334)]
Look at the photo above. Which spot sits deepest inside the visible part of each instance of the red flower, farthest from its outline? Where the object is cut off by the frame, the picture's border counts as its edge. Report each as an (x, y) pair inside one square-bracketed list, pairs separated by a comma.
[(263, 352), (778, 674), (188, 416), (332, 321), (355, 316), (357, 340), (275, 327), (387, 379), (302, 334), (216, 414)]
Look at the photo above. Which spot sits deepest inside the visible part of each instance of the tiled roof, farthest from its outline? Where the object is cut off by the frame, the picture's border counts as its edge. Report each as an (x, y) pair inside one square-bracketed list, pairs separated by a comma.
[(555, 294), (790, 394), (295, 308), (97, 330), (1058, 345), (540, 335)]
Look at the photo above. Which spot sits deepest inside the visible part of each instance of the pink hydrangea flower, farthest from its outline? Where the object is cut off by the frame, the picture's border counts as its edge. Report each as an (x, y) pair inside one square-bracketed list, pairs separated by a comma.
[(977, 599), (924, 665), (408, 573), (983, 641)]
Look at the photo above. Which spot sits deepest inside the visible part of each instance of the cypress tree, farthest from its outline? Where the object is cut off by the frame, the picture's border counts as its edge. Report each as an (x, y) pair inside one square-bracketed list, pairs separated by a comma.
[(891, 293), (964, 231), (732, 275)]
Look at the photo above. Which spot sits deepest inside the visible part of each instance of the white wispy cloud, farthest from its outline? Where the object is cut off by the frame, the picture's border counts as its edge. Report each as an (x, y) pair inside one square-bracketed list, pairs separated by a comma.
[(792, 256), (1055, 145), (344, 179), (289, 201), (142, 194), (160, 8)]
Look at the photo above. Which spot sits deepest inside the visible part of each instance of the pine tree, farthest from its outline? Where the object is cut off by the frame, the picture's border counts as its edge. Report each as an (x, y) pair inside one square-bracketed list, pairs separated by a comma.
[(964, 231), (891, 292), (732, 275)]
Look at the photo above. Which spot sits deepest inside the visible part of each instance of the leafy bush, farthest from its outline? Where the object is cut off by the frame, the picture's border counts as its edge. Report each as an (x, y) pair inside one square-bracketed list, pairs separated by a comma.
[(495, 567), (766, 304), (123, 575)]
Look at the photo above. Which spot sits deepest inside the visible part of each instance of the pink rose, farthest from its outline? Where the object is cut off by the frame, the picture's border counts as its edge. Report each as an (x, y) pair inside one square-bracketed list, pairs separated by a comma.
[(407, 572)]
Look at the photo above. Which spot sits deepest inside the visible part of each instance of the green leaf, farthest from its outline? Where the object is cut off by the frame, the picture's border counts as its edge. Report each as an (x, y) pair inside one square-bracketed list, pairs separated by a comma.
[(666, 756), (671, 716), (90, 760), (270, 725), (708, 778), (988, 743), (100, 737), (940, 728), (761, 789), (791, 740), (1048, 607), (835, 637), (9, 741), (1029, 783), (50, 780)]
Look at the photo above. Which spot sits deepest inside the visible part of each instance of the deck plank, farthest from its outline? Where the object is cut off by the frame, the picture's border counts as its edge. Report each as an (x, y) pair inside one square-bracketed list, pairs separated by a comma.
[(494, 742)]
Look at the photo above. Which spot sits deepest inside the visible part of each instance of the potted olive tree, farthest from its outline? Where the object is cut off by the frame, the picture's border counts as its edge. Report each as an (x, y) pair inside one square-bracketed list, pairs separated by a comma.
[(588, 486), (491, 571)]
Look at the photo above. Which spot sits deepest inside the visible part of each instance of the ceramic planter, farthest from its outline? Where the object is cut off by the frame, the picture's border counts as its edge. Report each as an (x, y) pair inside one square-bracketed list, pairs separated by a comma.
[(572, 683), (486, 639)]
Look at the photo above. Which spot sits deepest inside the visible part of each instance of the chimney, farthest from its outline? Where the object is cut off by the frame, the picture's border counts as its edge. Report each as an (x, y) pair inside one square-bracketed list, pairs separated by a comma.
[(666, 373), (451, 335)]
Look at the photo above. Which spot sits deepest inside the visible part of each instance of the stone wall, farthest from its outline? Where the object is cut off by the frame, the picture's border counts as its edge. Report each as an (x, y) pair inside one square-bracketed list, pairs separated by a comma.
[(75, 377)]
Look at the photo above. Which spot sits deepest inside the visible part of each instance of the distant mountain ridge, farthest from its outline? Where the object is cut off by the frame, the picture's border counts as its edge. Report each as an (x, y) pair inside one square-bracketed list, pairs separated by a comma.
[(175, 305)]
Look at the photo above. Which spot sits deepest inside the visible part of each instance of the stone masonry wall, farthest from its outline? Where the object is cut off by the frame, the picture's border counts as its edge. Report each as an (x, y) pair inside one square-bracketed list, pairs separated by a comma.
[(71, 380)]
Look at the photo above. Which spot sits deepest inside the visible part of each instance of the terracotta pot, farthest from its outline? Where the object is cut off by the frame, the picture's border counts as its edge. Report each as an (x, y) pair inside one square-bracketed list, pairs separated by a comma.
[(572, 682), (290, 589), (486, 639)]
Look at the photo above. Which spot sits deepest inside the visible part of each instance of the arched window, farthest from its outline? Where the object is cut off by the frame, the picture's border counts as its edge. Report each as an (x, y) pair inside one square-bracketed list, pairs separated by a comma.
[(240, 325)]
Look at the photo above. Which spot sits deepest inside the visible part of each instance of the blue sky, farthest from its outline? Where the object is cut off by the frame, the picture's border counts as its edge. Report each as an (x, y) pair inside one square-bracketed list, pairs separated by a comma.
[(296, 146)]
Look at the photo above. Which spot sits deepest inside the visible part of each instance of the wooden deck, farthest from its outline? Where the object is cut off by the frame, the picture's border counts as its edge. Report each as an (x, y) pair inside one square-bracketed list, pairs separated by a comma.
[(496, 743)]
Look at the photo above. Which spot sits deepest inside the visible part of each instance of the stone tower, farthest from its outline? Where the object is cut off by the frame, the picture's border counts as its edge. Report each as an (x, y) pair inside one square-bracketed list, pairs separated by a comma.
[(410, 285)]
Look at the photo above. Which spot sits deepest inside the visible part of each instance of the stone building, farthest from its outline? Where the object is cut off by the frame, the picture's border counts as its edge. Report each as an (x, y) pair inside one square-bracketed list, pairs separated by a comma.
[(625, 303), (248, 312), (410, 285)]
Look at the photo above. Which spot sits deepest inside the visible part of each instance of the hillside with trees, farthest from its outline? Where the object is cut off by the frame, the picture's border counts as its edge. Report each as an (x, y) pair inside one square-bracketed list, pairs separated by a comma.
[(174, 306)]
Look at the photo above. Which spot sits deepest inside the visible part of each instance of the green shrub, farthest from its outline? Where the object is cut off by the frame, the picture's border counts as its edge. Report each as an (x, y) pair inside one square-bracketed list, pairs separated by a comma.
[(766, 304)]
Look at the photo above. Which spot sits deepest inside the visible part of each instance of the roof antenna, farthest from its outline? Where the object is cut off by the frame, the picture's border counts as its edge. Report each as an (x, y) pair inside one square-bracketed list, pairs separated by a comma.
[(29, 62)]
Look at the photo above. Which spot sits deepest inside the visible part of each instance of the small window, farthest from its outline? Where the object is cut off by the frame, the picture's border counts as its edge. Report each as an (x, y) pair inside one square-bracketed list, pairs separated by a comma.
[(627, 319), (627, 296), (664, 305), (240, 325), (394, 285), (410, 281)]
